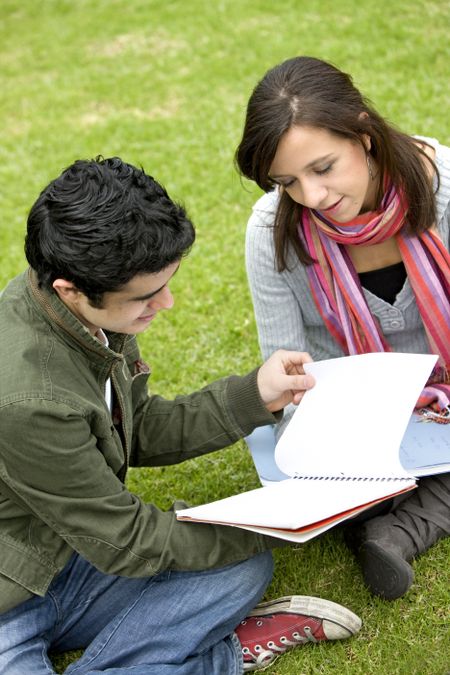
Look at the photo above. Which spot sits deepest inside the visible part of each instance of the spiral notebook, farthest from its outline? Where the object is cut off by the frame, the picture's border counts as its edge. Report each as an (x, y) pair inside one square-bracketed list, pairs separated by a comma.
[(340, 450), (424, 450)]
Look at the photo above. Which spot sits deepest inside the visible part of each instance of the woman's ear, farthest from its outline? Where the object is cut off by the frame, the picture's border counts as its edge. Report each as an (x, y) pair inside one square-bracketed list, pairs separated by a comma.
[(366, 140)]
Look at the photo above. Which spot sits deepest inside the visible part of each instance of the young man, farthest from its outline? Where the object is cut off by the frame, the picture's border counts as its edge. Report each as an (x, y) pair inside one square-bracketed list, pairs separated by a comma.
[(83, 562)]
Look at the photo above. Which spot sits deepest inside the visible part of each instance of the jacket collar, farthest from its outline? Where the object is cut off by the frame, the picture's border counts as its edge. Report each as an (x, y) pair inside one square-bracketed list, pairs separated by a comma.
[(64, 322)]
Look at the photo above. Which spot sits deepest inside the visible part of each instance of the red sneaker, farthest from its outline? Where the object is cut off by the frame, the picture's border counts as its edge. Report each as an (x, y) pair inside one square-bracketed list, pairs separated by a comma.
[(274, 627)]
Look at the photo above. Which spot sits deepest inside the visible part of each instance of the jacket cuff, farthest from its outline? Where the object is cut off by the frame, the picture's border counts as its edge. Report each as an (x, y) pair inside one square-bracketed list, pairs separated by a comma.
[(246, 405)]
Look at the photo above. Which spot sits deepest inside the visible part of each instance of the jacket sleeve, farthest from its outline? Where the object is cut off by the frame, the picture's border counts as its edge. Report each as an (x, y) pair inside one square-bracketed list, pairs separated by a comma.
[(168, 432), (55, 469)]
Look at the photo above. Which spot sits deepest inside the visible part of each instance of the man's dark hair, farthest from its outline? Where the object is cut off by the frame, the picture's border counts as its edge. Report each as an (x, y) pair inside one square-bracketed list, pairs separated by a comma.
[(102, 222)]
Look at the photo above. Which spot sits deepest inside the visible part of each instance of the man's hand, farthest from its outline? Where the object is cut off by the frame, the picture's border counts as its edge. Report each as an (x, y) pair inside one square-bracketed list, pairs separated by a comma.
[(282, 380)]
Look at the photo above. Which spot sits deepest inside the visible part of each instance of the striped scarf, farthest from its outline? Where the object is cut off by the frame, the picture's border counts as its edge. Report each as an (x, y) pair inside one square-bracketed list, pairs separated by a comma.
[(339, 297)]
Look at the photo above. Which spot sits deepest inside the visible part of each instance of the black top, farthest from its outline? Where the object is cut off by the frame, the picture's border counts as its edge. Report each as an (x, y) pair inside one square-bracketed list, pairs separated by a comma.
[(386, 282)]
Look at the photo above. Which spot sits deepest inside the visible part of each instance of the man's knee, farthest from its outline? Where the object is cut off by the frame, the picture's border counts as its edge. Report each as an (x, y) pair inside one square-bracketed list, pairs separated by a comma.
[(257, 571)]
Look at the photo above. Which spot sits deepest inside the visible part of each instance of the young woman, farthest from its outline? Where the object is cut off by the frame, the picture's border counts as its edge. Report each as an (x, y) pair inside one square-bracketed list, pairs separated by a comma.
[(348, 252)]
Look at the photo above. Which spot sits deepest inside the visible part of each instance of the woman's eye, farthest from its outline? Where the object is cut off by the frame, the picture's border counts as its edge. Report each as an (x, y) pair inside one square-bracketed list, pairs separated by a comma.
[(322, 172), (288, 183)]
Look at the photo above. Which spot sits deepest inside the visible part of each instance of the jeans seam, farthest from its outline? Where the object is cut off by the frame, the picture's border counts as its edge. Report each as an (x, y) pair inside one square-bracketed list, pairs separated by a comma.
[(113, 625), (45, 647), (239, 657), (59, 615)]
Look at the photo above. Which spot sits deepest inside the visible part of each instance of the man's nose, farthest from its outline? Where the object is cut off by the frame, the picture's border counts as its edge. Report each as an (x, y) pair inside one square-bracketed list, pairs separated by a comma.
[(162, 300)]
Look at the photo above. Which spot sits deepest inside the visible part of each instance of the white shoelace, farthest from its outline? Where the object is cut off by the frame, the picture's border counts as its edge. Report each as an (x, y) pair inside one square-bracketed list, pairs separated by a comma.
[(266, 656)]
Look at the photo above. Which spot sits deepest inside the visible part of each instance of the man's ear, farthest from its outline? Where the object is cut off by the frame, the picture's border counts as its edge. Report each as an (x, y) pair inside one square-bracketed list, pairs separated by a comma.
[(66, 290)]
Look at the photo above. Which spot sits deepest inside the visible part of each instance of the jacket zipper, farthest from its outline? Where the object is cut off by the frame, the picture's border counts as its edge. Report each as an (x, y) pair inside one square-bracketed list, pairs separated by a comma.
[(126, 446)]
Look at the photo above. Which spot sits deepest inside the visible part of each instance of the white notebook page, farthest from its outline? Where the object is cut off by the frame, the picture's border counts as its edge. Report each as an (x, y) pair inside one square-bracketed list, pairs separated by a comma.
[(352, 421)]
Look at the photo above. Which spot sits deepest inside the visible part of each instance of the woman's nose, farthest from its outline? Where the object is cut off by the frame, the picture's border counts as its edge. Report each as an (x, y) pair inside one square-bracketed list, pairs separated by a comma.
[(311, 194)]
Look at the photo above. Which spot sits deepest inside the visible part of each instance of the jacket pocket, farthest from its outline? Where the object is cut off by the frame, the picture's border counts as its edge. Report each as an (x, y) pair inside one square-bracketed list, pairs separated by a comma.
[(24, 566)]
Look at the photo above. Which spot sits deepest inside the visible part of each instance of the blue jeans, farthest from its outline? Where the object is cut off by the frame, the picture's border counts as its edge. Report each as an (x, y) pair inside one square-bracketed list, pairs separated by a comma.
[(176, 623)]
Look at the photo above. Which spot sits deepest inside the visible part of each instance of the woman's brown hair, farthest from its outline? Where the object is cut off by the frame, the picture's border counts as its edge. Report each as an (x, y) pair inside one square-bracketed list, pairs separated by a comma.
[(310, 92)]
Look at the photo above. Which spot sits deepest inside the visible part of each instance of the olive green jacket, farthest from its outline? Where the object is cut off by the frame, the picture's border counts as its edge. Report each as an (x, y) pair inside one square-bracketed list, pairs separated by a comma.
[(64, 456)]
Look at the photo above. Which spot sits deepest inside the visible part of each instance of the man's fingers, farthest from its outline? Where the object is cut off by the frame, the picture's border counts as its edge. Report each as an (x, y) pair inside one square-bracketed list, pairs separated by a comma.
[(296, 358), (282, 379), (298, 383)]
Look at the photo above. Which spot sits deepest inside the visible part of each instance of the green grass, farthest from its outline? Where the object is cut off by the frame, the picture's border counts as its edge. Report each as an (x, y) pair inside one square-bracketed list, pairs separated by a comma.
[(164, 85)]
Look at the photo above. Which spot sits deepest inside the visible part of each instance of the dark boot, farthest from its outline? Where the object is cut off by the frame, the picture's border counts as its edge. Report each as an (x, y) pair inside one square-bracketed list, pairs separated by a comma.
[(387, 544)]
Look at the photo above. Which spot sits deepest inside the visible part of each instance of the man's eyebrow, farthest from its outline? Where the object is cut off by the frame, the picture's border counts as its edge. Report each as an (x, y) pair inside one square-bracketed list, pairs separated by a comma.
[(318, 160), (147, 296)]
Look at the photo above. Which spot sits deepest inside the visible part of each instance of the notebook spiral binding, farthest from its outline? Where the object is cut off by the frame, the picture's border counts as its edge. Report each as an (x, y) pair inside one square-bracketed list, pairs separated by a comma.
[(380, 479)]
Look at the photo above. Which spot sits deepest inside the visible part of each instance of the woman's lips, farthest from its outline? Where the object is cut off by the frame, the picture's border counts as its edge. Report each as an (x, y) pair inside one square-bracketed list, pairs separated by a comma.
[(333, 207)]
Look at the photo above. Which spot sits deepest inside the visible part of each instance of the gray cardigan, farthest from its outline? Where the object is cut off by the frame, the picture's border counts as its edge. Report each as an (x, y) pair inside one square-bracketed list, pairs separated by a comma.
[(286, 315)]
